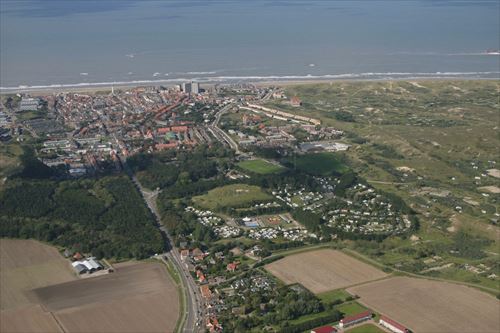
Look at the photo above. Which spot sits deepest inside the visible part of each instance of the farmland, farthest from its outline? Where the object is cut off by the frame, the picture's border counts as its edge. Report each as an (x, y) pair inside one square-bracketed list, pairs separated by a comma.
[(319, 164), (40, 292), (233, 196), (260, 166), (323, 270), (431, 306)]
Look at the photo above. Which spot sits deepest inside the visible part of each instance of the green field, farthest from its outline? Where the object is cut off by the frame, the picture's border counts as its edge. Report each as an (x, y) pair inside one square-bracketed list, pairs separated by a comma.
[(352, 308), (232, 196), (334, 295), (366, 328), (259, 166), (319, 164)]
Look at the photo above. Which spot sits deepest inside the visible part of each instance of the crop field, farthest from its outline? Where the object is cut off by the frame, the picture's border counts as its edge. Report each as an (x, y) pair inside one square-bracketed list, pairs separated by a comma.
[(235, 196), (323, 270), (320, 164), (259, 166), (40, 293), (431, 306), (137, 297), (25, 265)]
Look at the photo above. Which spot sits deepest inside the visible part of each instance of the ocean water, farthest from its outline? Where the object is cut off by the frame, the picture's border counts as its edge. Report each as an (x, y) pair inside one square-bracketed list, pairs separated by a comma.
[(91, 42)]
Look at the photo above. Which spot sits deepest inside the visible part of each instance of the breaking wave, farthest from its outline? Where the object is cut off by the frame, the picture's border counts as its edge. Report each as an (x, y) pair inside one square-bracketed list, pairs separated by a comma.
[(229, 79)]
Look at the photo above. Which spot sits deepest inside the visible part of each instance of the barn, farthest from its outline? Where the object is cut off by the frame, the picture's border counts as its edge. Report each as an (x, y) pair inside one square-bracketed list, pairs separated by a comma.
[(351, 320), (392, 325)]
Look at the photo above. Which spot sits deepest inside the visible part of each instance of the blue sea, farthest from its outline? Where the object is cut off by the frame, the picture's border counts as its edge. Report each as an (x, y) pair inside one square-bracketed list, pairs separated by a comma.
[(52, 43)]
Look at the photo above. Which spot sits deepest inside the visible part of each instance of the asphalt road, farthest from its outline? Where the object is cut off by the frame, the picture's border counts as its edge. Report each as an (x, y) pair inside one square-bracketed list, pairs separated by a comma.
[(194, 303)]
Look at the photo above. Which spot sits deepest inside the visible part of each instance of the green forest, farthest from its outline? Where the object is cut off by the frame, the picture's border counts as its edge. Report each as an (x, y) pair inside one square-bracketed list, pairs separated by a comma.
[(91, 216)]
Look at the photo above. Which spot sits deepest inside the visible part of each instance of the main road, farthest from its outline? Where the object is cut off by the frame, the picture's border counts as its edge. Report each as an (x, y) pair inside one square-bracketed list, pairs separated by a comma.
[(193, 321)]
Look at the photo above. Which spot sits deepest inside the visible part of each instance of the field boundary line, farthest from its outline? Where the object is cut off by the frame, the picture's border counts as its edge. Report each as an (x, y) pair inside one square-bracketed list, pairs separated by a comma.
[(364, 258), (174, 275)]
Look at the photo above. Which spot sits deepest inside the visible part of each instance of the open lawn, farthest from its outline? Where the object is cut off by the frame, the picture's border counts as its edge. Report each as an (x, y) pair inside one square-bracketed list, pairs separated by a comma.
[(319, 164), (233, 196), (323, 270), (351, 308), (334, 295), (366, 328), (259, 166), (431, 306)]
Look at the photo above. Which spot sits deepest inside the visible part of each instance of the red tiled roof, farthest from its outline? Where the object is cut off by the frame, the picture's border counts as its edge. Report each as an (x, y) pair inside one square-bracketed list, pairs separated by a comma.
[(325, 329), (393, 323), (349, 319)]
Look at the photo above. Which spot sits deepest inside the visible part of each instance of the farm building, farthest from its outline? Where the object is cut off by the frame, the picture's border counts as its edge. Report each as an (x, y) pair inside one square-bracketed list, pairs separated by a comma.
[(392, 325), (351, 320), (90, 265), (79, 268), (324, 329)]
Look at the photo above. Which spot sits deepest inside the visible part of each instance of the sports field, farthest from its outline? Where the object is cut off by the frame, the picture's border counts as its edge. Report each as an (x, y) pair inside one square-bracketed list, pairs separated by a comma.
[(323, 270), (431, 306), (235, 196), (259, 166), (319, 164), (365, 328)]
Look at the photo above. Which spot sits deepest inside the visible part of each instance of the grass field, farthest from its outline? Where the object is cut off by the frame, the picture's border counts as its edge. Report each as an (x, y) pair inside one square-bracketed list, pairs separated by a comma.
[(259, 166), (234, 196), (9, 158), (366, 328), (319, 164), (351, 308), (334, 295), (323, 270), (431, 306)]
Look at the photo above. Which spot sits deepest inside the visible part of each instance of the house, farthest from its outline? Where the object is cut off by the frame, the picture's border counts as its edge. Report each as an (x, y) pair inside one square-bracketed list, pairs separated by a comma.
[(197, 252), (200, 276), (205, 291), (295, 101), (324, 329), (184, 254), (232, 266), (392, 325), (213, 325), (351, 320), (77, 256)]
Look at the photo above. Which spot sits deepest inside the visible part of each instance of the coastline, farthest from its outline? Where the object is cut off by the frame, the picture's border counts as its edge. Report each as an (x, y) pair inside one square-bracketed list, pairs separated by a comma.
[(260, 82)]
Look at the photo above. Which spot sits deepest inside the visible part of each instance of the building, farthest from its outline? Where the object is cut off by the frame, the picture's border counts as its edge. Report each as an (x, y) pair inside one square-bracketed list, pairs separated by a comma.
[(392, 325), (351, 320), (184, 254), (195, 87), (324, 329), (29, 104), (295, 101), (79, 268), (232, 266), (205, 291), (187, 87)]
